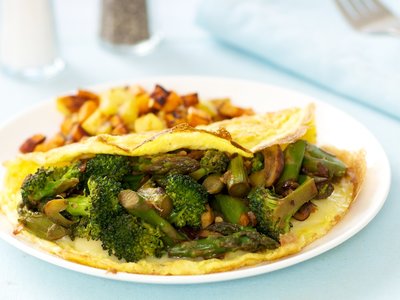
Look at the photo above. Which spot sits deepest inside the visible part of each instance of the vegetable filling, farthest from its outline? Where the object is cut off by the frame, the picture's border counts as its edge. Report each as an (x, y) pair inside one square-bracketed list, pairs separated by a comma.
[(186, 203)]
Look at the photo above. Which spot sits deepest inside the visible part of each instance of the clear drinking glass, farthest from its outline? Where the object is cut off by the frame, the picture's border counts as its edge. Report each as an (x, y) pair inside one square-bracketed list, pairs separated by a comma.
[(28, 42), (125, 26)]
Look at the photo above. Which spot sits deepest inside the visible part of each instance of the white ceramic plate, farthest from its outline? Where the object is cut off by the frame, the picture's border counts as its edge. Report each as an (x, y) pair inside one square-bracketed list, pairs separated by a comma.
[(334, 127)]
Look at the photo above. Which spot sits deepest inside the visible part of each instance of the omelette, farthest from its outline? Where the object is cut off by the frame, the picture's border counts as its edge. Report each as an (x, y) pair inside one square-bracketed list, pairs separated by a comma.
[(222, 238)]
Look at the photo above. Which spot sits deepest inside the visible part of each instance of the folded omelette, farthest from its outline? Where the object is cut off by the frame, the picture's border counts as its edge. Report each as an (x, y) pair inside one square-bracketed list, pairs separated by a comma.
[(222, 238)]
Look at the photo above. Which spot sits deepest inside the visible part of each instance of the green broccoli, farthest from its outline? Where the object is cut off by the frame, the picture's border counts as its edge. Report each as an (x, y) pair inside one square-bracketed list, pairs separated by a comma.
[(128, 238), (257, 162), (96, 210), (49, 182), (188, 198), (273, 213), (104, 219), (213, 161), (115, 166)]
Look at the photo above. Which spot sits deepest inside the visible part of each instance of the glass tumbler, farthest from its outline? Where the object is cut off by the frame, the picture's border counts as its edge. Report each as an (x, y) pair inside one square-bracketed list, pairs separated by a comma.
[(28, 43)]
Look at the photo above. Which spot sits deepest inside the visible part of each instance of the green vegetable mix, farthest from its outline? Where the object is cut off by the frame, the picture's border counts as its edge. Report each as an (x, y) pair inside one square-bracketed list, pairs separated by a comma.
[(178, 204)]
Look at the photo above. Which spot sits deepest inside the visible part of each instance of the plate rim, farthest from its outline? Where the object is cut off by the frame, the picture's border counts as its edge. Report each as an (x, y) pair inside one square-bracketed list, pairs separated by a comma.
[(214, 277)]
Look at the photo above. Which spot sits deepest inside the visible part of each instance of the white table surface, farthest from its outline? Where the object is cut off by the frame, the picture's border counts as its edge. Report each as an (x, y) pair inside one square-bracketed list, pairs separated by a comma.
[(365, 267)]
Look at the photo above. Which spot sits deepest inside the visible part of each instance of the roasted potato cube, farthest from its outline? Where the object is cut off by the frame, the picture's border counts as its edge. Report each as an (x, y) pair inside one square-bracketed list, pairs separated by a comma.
[(230, 111), (198, 117), (30, 143), (56, 141), (118, 125), (172, 103), (86, 110), (77, 133), (72, 104), (94, 123), (190, 99), (148, 122), (143, 103), (159, 97), (67, 124)]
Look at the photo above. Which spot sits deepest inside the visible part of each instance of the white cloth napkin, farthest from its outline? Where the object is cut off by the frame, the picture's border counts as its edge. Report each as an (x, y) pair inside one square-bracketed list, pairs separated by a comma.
[(311, 39)]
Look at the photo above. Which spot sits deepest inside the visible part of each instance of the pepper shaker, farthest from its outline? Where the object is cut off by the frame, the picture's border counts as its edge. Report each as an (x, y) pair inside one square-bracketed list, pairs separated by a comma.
[(28, 44), (125, 26)]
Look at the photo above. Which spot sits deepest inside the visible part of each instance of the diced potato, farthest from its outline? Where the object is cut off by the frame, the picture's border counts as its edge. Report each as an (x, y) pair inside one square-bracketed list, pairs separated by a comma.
[(172, 102), (31, 143), (129, 112), (77, 133), (120, 101), (190, 99), (72, 103), (118, 125), (230, 111), (69, 104), (94, 122), (198, 117), (67, 124), (112, 100), (57, 141), (159, 97), (148, 122), (208, 107), (143, 103), (86, 110)]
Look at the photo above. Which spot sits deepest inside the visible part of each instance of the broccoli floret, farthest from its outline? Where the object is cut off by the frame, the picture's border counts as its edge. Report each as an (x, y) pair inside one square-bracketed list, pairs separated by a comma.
[(257, 162), (49, 182), (115, 166), (128, 238), (273, 213), (104, 219), (213, 161), (96, 210), (188, 199)]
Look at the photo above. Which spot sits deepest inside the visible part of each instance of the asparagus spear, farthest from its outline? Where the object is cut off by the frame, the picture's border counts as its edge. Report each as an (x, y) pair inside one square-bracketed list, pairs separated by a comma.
[(213, 246), (321, 163), (213, 184), (237, 180), (294, 154), (43, 227), (233, 209), (165, 163), (138, 207)]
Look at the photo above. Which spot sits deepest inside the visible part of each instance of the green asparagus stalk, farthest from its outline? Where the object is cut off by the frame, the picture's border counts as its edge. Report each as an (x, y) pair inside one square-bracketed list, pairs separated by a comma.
[(213, 184), (138, 207), (294, 154), (213, 246), (43, 227), (165, 163), (288, 206), (237, 179), (233, 209), (321, 163)]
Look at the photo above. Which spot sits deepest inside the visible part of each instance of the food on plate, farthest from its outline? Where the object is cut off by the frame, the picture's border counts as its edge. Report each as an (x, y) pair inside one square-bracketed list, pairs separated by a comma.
[(128, 109), (184, 200)]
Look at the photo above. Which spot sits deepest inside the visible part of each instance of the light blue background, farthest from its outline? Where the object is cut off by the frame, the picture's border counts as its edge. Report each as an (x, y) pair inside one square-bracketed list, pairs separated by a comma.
[(365, 267)]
